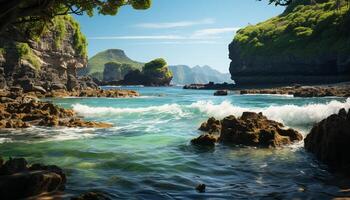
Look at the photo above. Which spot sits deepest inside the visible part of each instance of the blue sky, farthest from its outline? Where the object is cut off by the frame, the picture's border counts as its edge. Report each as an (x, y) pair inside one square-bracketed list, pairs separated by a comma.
[(190, 32)]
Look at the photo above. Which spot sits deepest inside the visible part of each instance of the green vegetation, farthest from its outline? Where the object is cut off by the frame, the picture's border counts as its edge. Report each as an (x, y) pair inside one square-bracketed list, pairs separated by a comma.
[(96, 63), (2, 51), (115, 71), (304, 29), (26, 53), (157, 67)]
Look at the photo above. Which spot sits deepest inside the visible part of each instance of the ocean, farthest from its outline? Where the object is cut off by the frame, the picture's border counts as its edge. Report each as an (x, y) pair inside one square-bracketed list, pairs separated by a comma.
[(147, 154)]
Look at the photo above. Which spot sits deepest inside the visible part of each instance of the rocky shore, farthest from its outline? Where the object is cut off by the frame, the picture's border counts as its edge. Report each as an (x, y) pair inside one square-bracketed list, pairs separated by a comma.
[(23, 110), (251, 129), (304, 91), (210, 86), (20, 180)]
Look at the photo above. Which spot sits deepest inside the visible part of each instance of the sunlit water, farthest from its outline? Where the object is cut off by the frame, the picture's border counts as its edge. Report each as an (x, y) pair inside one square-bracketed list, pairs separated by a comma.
[(147, 154)]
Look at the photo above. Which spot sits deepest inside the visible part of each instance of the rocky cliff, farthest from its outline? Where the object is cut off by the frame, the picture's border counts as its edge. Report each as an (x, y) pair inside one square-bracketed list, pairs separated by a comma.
[(308, 43), (43, 57)]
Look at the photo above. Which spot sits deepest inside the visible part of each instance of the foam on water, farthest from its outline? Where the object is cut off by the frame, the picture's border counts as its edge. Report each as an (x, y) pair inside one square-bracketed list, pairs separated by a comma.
[(110, 111), (289, 114)]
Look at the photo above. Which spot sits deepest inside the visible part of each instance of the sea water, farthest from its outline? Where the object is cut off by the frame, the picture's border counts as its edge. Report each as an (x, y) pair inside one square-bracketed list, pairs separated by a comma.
[(147, 154)]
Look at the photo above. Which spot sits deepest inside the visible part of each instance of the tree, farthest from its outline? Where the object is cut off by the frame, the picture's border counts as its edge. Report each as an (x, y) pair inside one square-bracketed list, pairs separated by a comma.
[(280, 2), (19, 11)]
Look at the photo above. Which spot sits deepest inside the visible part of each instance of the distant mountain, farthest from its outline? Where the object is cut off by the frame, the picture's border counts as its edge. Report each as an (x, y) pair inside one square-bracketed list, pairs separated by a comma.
[(97, 63), (186, 75)]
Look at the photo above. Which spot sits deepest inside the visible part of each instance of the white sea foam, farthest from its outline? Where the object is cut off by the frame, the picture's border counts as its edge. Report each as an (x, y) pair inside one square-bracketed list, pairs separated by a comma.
[(107, 111), (289, 114)]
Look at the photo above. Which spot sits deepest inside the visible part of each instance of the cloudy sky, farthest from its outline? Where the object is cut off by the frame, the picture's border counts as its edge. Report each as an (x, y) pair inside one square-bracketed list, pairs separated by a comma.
[(189, 32)]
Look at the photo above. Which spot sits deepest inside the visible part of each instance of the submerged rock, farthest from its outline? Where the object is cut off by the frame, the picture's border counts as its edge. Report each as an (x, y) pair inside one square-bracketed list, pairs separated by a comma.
[(19, 180), (329, 140), (201, 188), (251, 129)]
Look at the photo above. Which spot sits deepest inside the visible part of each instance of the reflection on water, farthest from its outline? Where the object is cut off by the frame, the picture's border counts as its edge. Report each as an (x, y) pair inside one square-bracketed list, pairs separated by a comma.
[(147, 154)]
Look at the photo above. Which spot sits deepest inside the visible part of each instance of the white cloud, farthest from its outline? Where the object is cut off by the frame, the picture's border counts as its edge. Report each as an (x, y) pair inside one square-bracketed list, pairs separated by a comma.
[(204, 35), (139, 37), (178, 24), (214, 31)]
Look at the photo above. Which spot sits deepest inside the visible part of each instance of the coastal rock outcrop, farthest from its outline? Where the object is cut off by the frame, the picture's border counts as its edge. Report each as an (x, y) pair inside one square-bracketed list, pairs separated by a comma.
[(329, 141), (44, 60), (251, 129), (307, 44), (23, 111), (304, 91), (19, 180), (211, 86)]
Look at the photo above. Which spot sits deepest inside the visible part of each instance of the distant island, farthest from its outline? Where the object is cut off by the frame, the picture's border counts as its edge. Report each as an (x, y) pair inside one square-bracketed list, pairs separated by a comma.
[(112, 66), (184, 74)]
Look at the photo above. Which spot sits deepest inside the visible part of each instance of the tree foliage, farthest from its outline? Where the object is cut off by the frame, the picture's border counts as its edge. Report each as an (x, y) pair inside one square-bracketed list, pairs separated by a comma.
[(19, 11)]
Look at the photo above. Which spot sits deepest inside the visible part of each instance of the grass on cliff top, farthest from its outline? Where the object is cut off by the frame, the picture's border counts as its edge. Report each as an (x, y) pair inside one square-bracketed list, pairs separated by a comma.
[(96, 63), (302, 30)]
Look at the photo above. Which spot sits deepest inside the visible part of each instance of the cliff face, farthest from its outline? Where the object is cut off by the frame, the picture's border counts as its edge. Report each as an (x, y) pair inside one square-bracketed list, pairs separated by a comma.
[(47, 60), (305, 44)]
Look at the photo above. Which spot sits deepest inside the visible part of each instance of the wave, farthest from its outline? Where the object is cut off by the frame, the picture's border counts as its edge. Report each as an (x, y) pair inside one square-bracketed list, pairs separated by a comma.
[(288, 114), (107, 111)]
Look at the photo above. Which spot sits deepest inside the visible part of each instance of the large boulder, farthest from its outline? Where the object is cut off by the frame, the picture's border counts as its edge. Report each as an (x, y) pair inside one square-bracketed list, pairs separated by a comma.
[(329, 140), (251, 129), (19, 180)]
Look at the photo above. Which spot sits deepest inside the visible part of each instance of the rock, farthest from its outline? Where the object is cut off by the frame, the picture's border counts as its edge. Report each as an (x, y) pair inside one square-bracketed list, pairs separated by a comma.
[(91, 196), (205, 140), (329, 141), (58, 86), (251, 129), (211, 86), (38, 89), (221, 93), (201, 188), (304, 91), (72, 83), (13, 166), (211, 126), (18, 181)]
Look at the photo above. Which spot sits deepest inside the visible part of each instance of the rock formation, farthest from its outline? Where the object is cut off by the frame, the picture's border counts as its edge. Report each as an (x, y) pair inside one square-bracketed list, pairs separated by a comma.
[(251, 129), (307, 44), (154, 73), (23, 111), (19, 180), (329, 140), (304, 91), (211, 86), (44, 61)]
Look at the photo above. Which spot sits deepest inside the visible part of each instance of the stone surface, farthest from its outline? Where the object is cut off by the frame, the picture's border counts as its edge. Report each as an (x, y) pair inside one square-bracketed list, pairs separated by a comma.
[(19, 180), (23, 111), (329, 141), (251, 129), (210, 86), (304, 91), (221, 93)]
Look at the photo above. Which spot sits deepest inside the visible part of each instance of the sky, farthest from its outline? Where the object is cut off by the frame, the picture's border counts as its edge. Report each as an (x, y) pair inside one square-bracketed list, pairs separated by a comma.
[(184, 32)]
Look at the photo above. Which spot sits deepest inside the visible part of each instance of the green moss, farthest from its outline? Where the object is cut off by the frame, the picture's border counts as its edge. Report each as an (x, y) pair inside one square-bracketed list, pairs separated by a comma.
[(2, 51), (26, 53), (302, 30)]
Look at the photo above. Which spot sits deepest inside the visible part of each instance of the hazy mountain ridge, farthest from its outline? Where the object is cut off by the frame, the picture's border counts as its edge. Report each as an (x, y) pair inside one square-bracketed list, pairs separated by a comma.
[(184, 74)]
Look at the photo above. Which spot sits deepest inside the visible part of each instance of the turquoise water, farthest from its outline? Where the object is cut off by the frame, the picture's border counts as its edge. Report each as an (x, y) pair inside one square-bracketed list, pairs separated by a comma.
[(147, 154)]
